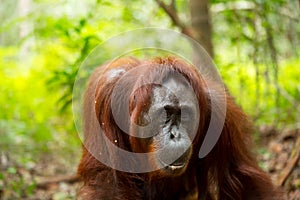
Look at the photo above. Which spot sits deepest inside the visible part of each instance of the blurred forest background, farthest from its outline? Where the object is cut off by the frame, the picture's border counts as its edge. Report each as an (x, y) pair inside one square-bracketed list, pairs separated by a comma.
[(255, 45)]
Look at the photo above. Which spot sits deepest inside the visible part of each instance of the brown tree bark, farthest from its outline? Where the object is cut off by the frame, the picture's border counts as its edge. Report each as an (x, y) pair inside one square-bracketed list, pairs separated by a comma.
[(201, 24), (200, 27)]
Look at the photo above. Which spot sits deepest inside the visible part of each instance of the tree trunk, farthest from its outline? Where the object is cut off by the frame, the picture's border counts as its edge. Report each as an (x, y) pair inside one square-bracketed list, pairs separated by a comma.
[(201, 24), (25, 27)]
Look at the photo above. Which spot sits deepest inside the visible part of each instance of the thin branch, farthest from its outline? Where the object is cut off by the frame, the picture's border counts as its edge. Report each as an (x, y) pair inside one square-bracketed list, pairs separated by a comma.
[(173, 5), (237, 5), (248, 6), (172, 13), (56, 180), (287, 96), (291, 164)]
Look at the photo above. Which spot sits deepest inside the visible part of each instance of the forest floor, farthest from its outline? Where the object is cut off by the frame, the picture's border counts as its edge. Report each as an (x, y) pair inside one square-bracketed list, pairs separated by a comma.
[(55, 181), (283, 158)]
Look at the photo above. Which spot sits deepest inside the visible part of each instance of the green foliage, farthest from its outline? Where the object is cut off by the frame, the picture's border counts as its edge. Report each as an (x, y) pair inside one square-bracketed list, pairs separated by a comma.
[(37, 73), (31, 125), (262, 106), (259, 58), (257, 53), (36, 92)]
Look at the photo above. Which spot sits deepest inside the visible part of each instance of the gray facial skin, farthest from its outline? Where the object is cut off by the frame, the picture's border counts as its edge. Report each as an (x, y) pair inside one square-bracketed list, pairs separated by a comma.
[(174, 117)]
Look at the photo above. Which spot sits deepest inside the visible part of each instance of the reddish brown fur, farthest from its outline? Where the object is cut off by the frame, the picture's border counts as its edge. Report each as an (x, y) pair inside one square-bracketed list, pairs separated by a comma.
[(229, 172)]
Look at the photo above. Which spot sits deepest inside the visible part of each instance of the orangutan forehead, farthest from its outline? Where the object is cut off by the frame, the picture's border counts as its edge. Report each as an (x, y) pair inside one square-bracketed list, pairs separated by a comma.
[(174, 91)]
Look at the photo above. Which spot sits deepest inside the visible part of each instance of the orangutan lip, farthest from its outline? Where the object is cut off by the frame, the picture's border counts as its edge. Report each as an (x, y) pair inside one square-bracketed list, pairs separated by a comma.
[(174, 167)]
